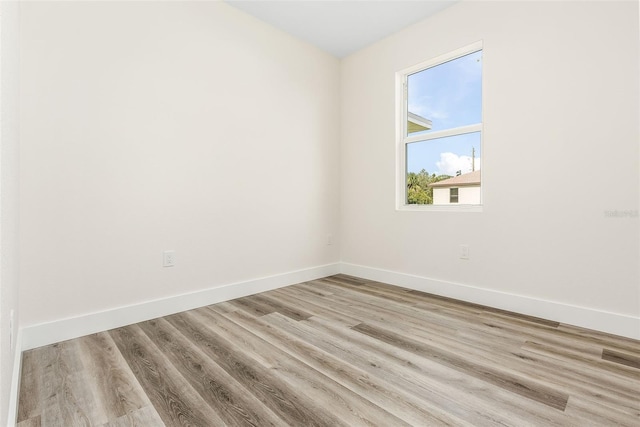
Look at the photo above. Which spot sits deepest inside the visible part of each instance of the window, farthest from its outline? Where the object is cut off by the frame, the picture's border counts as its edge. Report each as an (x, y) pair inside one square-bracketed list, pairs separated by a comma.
[(440, 130), (453, 195)]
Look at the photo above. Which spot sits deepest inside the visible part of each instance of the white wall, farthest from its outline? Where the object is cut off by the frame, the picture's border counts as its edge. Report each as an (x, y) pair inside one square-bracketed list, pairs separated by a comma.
[(191, 126), (169, 125), (561, 141), (9, 176), (441, 196)]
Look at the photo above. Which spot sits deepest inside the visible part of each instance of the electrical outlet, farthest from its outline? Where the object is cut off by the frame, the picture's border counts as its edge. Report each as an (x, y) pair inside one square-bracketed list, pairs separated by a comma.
[(464, 251), (168, 258)]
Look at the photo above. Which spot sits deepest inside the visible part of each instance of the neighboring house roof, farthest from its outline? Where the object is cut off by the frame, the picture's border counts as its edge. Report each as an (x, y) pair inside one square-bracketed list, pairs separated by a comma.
[(416, 123), (467, 179)]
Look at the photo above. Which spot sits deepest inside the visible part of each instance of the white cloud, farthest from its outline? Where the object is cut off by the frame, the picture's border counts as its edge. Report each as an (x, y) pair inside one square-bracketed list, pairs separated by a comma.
[(450, 163)]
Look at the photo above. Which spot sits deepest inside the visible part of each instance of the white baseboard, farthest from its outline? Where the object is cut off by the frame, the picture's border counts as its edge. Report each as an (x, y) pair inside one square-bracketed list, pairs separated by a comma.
[(15, 381), (613, 323), (65, 329)]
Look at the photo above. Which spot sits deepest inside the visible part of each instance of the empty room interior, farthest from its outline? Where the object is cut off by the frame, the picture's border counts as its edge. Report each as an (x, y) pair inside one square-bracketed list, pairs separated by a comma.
[(319, 213)]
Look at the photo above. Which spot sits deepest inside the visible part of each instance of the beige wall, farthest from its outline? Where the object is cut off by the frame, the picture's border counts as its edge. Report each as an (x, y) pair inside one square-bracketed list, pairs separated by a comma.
[(560, 149), (9, 188), (149, 126), (194, 127)]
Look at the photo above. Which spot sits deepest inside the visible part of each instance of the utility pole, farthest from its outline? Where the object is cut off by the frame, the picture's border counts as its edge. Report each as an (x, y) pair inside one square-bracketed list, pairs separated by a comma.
[(473, 159)]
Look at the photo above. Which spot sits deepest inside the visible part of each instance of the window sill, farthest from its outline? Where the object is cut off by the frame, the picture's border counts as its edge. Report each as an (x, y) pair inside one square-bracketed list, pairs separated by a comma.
[(440, 208)]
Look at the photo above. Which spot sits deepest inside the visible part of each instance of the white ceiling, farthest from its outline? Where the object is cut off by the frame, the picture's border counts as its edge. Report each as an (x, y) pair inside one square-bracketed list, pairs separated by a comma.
[(341, 27)]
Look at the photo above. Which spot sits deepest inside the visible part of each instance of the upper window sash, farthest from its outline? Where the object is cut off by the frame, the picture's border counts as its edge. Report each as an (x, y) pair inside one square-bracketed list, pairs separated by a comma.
[(404, 76)]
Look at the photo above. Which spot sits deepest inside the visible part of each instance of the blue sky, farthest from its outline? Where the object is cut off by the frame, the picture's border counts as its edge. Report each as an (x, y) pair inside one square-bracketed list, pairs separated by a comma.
[(450, 95)]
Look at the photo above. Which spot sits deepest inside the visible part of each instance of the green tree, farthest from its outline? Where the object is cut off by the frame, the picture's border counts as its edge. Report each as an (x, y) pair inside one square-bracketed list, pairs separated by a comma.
[(418, 190)]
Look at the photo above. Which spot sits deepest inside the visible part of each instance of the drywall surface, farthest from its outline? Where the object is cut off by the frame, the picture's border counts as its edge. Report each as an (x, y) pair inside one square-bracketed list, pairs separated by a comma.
[(185, 126), (559, 164), (9, 188)]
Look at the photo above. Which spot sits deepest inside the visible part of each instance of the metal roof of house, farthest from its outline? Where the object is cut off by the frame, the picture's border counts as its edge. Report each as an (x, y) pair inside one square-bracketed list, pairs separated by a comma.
[(471, 178)]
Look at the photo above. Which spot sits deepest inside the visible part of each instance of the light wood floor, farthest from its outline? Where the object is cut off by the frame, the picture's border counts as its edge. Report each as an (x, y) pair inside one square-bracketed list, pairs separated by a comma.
[(331, 352)]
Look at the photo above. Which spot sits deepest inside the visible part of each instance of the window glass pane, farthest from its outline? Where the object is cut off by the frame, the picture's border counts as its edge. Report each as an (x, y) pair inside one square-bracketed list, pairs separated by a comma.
[(434, 161), (445, 156), (445, 96), (453, 195)]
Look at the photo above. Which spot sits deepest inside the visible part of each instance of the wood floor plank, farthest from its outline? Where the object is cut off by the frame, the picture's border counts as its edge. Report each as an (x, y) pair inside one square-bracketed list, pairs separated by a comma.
[(598, 386), (31, 422), (467, 398), (595, 385), (361, 304), (403, 405), (251, 305), (503, 332), (345, 278), (412, 318), (415, 297), (288, 310), (30, 397), (350, 408), (72, 403), (310, 287), (477, 307), (112, 383), (586, 412), (177, 403), (614, 342), (406, 406), (560, 374), (574, 338), (231, 401), (317, 307), (66, 396), (619, 373), (621, 358), (369, 289), (336, 351), (226, 306), (143, 417), (508, 381), (268, 388)]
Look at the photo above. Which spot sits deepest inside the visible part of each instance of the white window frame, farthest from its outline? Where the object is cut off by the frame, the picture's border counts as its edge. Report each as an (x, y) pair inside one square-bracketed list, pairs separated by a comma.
[(403, 138)]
